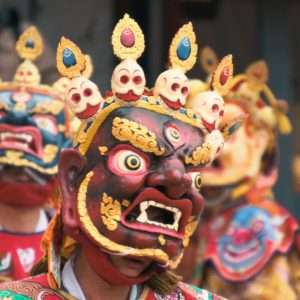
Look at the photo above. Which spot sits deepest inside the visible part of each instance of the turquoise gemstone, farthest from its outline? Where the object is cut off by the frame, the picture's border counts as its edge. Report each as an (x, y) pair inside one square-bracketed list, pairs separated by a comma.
[(232, 129), (69, 59), (29, 43), (184, 49)]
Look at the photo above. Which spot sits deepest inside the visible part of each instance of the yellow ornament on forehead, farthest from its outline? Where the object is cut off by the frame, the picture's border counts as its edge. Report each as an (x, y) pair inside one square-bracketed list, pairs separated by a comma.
[(183, 49), (128, 39), (30, 44)]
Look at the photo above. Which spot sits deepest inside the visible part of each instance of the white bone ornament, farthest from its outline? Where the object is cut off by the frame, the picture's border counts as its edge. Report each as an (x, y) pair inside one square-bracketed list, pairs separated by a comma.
[(128, 81), (83, 97), (171, 87), (209, 106)]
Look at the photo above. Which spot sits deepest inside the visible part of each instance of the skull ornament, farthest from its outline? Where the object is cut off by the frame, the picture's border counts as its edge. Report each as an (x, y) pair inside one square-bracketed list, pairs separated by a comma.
[(83, 97), (27, 74), (209, 106), (128, 80), (171, 87)]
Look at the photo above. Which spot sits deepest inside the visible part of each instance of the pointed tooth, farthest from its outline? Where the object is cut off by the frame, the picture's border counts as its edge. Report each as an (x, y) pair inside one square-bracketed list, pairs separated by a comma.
[(142, 218), (143, 206)]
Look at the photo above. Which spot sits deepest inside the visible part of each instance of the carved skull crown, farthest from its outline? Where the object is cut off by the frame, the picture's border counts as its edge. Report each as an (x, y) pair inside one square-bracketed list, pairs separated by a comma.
[(83, 97), (27, 73), (128, 80), (172, 87), (210, 107)]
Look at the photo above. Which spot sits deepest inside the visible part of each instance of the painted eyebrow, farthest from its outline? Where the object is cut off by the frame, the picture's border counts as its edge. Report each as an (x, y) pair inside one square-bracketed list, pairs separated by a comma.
[(123, 69), (137, 135)]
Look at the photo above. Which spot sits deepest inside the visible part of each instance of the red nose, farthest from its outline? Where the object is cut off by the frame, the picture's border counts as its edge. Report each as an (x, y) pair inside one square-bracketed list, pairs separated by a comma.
[(242, 236), (172, 177)]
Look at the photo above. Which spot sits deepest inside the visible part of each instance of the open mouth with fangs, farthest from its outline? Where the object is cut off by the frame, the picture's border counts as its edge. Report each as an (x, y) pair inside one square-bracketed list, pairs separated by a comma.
[(26, 139), (154, 212)]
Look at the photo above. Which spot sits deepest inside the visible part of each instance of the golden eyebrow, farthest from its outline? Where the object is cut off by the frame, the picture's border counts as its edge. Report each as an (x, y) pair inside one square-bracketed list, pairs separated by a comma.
[(200, 156), (53, 107), (137, 135)]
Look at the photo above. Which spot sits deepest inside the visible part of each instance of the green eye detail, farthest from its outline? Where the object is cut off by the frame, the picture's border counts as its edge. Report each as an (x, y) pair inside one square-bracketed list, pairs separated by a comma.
[(132, 162), (198, 181)]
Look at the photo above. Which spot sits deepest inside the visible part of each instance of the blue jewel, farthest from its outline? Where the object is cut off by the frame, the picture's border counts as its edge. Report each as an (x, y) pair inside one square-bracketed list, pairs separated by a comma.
[(29, 43), (184, 48), (69, 59), (234, 127)]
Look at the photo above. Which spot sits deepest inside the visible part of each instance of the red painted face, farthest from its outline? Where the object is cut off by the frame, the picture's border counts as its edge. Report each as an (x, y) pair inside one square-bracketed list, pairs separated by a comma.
[(138, 201)]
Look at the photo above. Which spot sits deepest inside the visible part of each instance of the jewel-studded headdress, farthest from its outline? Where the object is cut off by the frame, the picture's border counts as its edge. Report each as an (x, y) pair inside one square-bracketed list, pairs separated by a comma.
[(120, 139), (254, 94), (34, 120)]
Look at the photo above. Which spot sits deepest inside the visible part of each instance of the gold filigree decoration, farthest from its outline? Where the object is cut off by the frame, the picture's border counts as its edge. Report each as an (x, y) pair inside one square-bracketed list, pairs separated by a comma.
[(134, 51), (15, 159), (12, 154), (79, 65), (125, 203), (222, 77), (200, 156), (89, 67), (186, 31), (136, 134), (50, 152), (85, 136), (108, 244), (30, 44), (103, 150), (110, 211), (189, 230), (53, 107), (161, 240)]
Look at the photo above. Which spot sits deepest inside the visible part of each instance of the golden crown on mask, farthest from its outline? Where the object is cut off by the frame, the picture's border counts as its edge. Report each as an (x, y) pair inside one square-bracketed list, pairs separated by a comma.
[(128, 54), (251, 91)]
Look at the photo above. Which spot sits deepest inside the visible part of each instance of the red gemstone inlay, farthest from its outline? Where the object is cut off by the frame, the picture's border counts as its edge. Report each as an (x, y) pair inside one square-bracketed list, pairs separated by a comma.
[(127, 38), (224, 75)]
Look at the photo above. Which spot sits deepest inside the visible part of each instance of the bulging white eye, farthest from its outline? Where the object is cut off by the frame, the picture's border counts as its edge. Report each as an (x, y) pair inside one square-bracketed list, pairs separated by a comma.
[(173, 134), (127, 162), (46, 123), (196, 180)]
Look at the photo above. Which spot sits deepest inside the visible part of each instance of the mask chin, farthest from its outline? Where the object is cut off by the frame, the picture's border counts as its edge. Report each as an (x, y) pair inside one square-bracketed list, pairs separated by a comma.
[(26, 194), (104, 268)]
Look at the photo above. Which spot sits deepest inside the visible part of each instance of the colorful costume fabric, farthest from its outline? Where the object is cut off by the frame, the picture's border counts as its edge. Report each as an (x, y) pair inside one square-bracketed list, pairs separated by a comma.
[(38, 288), (248, 242), (130, 185), (33, 129)]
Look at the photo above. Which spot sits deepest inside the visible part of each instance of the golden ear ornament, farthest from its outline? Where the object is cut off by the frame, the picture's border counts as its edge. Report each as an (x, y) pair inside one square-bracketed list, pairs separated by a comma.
[(30, 44), (208, 60), (128, 39), (69, 59), (222, 77), (183, 49)]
